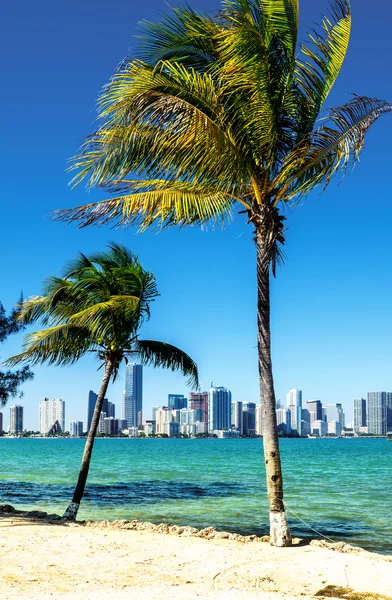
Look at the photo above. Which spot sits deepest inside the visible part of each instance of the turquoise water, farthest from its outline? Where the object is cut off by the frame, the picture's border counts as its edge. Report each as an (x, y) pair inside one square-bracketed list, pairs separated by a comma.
[(341, 488)]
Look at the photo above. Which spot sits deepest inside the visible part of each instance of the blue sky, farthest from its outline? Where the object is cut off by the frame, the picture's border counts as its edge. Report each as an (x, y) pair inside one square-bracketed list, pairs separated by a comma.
[(331, 318)]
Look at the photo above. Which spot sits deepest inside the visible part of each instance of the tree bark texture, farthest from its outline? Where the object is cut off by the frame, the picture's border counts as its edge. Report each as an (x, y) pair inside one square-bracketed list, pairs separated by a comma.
[(72, 510), (279, 529)]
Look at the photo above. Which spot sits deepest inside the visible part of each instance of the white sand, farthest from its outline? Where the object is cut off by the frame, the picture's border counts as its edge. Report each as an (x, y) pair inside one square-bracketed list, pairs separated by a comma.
[(43, 561)]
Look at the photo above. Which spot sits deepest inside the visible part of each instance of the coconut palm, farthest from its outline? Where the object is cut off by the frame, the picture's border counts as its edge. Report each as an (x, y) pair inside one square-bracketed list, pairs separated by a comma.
[(219, 113), (97, 307)]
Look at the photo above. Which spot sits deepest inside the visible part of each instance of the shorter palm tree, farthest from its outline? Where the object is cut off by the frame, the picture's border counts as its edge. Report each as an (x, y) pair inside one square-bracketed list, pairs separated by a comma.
[(98, 307)]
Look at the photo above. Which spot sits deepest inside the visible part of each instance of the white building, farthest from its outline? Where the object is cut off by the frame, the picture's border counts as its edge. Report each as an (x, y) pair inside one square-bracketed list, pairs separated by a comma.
[(319, 428), (237, 417), (162, 418), (283, 420), (101, 424), (50, 412), (334, 428), (294, 403), (76, 428)]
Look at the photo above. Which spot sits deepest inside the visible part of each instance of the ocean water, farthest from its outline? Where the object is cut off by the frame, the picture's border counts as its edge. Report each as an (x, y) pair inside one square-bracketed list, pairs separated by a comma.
[(339, 487)]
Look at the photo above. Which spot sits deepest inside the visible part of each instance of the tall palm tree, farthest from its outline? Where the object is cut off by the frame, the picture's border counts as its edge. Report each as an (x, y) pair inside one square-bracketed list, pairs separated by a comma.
[(220, 112), (97, 307)]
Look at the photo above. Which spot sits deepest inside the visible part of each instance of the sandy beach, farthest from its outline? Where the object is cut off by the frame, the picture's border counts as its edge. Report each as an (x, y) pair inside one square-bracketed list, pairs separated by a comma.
[(122, 560)]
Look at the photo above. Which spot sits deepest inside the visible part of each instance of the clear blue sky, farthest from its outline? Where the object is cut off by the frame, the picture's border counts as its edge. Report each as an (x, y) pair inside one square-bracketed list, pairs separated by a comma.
[(332, 317)]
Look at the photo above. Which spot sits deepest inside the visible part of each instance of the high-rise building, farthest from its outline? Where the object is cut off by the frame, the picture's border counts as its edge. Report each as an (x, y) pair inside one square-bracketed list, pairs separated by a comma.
[(110, 426), (388, 401), (334, 428), (283, 420), (377, 412), (51, 416), (16, 419), (335, 413), (219, 409), (92, 399), (133, 395), (237, 420), (315, 410), (319, 427), (1, 423), (76, 428), (176, 401), (360, 419), (199, 401), (249, 418), (162, 417), (294, 403), (188, 416), (107, 407), (101, 423)]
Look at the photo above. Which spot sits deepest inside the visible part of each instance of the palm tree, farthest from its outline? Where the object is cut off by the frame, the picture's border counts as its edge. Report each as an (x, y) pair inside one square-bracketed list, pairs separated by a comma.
[(97, 307), (218, 113)]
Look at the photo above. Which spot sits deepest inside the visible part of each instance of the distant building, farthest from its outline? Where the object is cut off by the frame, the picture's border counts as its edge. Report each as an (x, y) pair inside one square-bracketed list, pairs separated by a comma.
[(76, 428), (199, 401), (51, 411), (360, 419), (107, 407), (121, 425), (1, 423), (110, 426), (377, 412), (133, 395), (315, 410), (237, 417), (294, 403), (101, 424), (227, 433), (283, 420), (149, 428), (176, 401), (188, 416), (334, 428), (162, 417), (335, 413), (219, 408), (154, 412), (319, 427), (249, 418)]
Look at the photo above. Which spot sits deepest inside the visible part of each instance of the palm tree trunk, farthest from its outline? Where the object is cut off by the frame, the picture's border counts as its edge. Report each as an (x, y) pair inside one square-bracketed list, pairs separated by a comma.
[(279, 529), (73, 507)]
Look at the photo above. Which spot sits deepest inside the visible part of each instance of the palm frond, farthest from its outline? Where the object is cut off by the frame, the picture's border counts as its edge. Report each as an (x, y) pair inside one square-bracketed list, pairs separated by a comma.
[(178, 204), (61, 345), (333, 146), (160, 354), (318, 68)]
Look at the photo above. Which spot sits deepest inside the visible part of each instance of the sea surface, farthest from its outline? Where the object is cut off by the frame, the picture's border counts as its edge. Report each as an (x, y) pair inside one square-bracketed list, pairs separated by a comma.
[(342, 488)]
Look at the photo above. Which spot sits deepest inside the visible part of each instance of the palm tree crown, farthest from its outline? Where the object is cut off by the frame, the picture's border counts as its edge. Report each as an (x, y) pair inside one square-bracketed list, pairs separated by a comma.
[(98, 307), (221, 111)]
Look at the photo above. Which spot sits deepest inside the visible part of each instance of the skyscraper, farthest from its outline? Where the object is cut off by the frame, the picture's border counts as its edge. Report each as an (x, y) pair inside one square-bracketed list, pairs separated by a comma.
[(133, 395), (377, 412), (360, 419), (259, 419), (388, 402), (16, 419), (315, 410), (176, 402), (283, 420), (249, 418), (294, 403), (51, 412), (199, 401), (107, 407), (219, 409), (237, 421), (335, 413)]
